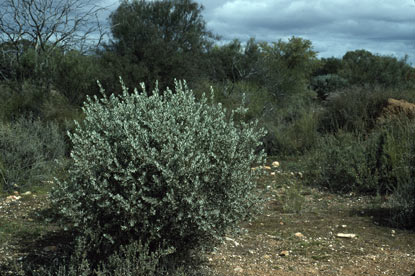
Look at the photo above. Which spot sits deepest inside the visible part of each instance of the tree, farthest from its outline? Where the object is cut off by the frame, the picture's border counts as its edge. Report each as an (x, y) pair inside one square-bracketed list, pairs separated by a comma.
[(358, 67), (160, 40), (287, 67), (328, 66), (234, 61), (363, 68), (46, 26)]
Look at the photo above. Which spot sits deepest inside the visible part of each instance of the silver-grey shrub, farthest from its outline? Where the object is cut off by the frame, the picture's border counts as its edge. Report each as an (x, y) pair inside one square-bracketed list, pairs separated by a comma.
[(162, 168)]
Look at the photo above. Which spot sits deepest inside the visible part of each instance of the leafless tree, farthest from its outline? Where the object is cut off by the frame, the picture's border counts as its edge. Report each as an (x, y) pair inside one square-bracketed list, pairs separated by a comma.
[(46, 25)]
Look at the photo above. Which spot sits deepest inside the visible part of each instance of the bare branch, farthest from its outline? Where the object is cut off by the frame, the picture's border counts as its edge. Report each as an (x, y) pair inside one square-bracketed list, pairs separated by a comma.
[(50, 24)]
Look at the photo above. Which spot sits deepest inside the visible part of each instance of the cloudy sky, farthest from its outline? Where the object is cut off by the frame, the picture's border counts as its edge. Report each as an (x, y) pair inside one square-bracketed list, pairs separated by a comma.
[(385, 27)]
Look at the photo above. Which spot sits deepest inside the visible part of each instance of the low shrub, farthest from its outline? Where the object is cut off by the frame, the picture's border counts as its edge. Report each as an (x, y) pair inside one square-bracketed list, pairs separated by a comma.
[(28, 150), (339, 164), (26, 102), (32, 101), (353, 109), (397, 170), (357, 109), (379, 163), (293, 130), (164, 169)]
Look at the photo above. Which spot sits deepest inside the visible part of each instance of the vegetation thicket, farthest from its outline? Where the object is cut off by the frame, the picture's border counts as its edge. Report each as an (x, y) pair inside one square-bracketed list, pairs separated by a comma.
[(168, 170)]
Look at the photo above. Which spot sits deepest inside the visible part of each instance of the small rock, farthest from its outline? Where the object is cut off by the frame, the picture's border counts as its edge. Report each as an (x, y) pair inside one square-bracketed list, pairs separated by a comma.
[(348, 236), (266, 167), (12, 198), (344, 226), (238, 269), (313, 271), (284, 253), (27, 193), (299, 235), (273, 173), (251, 251), (232, 240), (275, 164)]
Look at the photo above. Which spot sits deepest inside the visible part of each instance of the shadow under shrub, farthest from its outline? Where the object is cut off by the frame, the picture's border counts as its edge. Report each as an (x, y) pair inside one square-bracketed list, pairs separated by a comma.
[(28, 150), (135, 259), (163, 169)]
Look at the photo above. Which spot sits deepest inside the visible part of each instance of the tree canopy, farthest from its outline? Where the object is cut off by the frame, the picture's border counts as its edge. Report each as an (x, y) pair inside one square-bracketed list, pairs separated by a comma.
[(161, 40)]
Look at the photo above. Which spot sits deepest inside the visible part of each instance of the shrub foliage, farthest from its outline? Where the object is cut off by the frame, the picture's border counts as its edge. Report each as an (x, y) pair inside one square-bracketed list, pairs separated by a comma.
[(165, 169)]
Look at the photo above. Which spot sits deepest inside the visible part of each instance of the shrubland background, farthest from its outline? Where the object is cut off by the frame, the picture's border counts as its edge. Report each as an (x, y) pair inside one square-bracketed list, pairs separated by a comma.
[(322, 114)]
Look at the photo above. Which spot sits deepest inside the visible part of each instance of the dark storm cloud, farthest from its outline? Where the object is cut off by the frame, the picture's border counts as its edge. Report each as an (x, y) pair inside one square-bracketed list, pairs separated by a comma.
[(334, 26)]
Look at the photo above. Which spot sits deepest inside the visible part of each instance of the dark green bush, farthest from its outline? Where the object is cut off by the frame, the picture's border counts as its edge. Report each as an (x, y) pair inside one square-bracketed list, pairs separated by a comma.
[(396, 169), (379, 163), (372, 164), (28, 149), (162, 168), (26, 102), (75, 76), (361, 67), (357, 109), (324, 85), (353, 109), (32, 101)]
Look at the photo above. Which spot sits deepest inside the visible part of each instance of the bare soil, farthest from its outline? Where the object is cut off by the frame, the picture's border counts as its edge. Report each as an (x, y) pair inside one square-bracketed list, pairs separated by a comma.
[(296, 234), (302, 240)]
